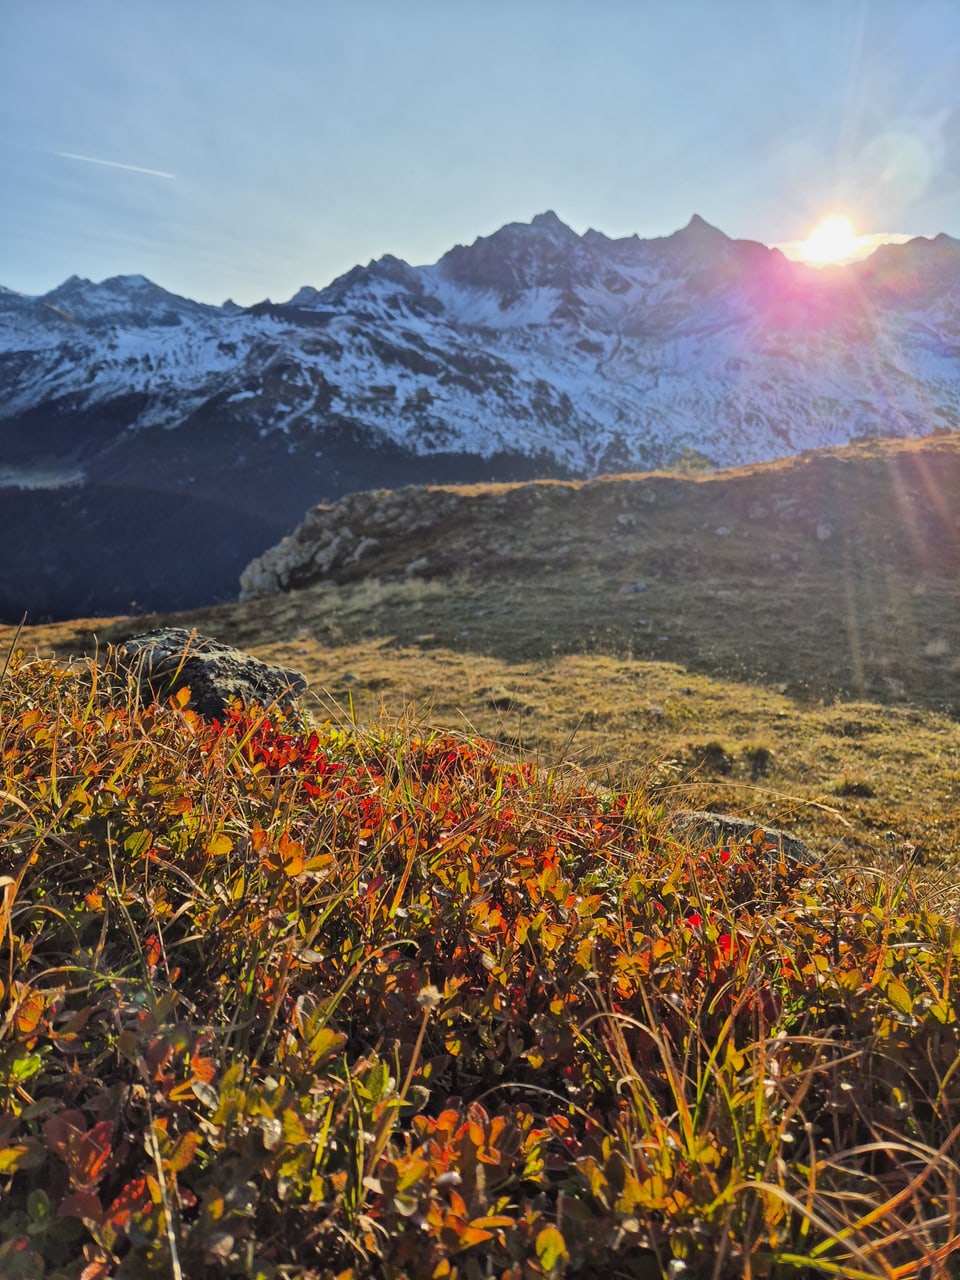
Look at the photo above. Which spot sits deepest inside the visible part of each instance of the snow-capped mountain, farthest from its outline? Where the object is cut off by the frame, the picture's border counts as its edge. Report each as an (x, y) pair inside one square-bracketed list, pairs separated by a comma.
[(533, 350)]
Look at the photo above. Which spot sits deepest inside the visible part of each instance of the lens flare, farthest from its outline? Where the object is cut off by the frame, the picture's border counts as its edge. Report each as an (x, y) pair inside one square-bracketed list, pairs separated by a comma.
[(834, 240)]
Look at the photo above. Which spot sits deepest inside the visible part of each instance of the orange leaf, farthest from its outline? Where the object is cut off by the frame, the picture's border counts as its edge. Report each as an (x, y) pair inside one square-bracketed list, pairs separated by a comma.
[(97, 1270), (183, 1152), (29, 1010), (471, 1235), (457, 1204), (88, 1155), (134, 1198)]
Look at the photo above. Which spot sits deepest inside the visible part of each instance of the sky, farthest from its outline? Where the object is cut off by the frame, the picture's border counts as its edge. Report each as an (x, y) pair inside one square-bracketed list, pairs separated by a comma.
[(243, 148)]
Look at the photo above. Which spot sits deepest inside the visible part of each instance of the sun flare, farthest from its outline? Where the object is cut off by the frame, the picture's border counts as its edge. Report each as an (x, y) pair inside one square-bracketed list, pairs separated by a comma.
[(834, 240)]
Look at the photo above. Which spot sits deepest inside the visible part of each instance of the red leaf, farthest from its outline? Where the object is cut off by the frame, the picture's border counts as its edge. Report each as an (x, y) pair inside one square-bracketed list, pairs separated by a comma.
[(59, 1129), (83, 1205), (85, 1154), (89, 1155)]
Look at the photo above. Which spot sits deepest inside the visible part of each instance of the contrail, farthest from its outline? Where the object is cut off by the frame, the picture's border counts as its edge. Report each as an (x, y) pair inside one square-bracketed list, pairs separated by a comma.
[(115, 164)]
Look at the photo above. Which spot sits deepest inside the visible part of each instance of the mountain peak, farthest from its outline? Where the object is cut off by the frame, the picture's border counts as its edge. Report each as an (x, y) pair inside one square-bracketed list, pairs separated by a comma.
[(548, 221), (131, 300), (699, 229)]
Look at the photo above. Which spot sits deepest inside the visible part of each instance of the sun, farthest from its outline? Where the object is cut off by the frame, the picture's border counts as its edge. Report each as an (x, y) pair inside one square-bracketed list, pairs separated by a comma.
[(834, 240)]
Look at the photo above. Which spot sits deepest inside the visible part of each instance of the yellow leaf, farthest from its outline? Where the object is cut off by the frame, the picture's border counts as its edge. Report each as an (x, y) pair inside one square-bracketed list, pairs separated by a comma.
[(412, 1174), (850, 979), (493, 1220), (551, 1248), (11, 1158)]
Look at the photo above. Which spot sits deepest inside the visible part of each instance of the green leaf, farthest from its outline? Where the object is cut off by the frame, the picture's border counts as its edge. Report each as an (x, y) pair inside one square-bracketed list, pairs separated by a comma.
[(137, 843), (940, 1011), (38, 1205), (18, 1261), (25, 1067), (412, 1173), (376, 1081), (900, 997)]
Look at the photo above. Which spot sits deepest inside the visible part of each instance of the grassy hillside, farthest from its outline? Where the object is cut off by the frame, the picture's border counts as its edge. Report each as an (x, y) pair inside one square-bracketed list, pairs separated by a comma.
[(780, 640), (362, 1003)]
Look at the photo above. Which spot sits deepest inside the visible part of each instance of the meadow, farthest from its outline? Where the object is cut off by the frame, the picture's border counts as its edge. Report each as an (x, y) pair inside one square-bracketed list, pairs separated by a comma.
[(429, 985), (352, 1002), (695, 632)]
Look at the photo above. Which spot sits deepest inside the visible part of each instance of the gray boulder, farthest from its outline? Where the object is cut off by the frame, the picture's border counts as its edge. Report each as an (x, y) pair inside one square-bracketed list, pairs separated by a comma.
[(171, 659)]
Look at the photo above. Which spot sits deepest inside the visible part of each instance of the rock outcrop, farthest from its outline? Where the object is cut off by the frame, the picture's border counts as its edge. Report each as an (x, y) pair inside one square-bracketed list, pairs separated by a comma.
[(639, 529), (171, 658), (383, 532)]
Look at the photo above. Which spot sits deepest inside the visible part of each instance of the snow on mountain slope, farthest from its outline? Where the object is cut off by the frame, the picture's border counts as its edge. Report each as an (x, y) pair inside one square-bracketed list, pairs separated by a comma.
[(151, 446), (598, 353)]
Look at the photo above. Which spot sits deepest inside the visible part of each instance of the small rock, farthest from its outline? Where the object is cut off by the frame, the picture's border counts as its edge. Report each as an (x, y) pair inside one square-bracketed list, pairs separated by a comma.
[(718, 827), (171, 658)]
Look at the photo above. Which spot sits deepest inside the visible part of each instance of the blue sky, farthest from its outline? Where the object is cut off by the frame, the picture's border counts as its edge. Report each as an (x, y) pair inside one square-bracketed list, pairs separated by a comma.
[(275, 143)]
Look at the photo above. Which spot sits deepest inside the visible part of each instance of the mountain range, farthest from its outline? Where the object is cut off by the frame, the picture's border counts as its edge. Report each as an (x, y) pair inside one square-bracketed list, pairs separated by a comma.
[(153, 445)]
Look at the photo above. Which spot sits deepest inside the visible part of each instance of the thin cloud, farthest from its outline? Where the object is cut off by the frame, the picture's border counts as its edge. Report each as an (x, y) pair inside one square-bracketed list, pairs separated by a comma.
[(114, 164)]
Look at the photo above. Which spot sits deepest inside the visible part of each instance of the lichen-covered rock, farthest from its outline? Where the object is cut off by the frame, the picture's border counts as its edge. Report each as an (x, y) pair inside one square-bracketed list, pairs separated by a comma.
[(718, 827), (171, 658)]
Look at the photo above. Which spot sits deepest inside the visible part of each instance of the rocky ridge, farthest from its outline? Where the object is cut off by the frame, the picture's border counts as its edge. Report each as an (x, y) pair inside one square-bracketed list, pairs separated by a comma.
[(768, 518)]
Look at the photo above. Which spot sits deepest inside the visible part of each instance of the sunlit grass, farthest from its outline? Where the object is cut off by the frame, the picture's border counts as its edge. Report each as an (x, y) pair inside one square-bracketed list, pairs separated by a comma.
[(380, 1001)]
